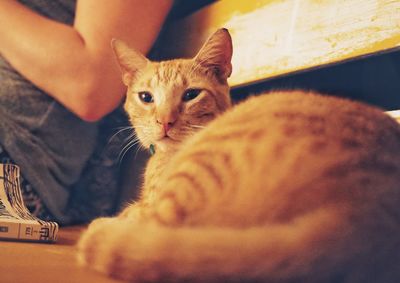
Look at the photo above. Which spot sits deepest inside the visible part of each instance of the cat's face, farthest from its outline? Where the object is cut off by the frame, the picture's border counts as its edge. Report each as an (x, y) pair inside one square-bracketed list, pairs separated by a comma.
[(170, 100)]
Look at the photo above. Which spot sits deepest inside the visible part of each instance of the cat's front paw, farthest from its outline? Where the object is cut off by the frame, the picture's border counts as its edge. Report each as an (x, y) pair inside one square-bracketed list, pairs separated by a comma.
[(92, 240), (109, 245)]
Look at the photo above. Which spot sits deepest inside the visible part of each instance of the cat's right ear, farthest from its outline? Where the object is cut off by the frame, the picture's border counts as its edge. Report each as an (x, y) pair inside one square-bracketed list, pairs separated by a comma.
[(129, 60), (216, 53)]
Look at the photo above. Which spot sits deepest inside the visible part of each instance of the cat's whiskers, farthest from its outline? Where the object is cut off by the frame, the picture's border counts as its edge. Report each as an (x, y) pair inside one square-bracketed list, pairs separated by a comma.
[(132, 141), (120, 130), (196, 126), (126, 150), (129, 138), (138, 148)]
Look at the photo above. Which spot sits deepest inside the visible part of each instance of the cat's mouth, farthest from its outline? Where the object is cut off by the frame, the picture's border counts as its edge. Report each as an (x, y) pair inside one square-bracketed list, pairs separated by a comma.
[(168, 138), (167, 143)]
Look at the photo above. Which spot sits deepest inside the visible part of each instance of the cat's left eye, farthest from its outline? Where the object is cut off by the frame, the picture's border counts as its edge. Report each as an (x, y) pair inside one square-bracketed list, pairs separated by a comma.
[(190, 94), (146, 97)]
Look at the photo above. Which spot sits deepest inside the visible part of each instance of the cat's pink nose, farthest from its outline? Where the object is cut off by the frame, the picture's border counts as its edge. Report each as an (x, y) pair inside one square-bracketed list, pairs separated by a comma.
[(167, 119), (166, 125)]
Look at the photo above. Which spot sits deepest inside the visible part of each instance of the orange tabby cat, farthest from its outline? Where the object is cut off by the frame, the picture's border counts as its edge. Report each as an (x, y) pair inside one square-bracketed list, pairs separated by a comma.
[(285, 187)]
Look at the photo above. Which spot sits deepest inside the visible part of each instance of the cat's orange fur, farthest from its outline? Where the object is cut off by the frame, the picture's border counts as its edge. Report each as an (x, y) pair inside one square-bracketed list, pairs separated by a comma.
[(285, 187)]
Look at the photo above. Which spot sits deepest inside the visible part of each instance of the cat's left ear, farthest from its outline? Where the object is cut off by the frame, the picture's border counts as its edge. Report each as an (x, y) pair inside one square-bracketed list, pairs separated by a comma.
[(216, 53), (129, 60)]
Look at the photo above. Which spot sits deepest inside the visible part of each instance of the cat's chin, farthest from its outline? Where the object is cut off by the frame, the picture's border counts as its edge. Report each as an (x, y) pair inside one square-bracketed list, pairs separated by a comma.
[(167, 144)]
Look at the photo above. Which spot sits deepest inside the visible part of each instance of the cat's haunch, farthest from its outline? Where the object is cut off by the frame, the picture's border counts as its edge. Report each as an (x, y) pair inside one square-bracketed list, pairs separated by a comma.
[(289, 186)]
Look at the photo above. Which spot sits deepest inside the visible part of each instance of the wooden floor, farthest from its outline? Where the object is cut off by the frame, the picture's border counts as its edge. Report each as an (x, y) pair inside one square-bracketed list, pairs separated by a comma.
[(22, 262)]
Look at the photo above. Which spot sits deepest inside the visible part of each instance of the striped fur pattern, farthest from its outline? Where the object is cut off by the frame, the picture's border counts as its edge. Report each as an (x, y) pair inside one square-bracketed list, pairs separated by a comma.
[(285, 187)]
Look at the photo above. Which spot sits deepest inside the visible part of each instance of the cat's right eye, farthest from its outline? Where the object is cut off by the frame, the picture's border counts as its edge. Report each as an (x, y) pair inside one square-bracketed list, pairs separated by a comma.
[(145, 97), (190, 94)]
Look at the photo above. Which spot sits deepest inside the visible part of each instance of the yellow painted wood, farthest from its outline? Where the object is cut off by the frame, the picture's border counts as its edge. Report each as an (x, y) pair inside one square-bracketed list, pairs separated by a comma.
[(275, 37), (395, 114)]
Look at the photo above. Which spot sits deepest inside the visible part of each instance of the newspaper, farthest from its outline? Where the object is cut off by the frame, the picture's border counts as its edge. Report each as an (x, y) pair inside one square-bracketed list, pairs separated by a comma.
[(16, 223)]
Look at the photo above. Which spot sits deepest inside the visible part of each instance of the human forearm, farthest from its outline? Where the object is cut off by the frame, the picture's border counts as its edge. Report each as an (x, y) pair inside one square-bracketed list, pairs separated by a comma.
[(75, 64), (50, 54)]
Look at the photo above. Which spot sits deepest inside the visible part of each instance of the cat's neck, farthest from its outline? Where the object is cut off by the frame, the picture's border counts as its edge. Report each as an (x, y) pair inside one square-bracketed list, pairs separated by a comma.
[(155, 167), (168, 150), (161, 155)]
